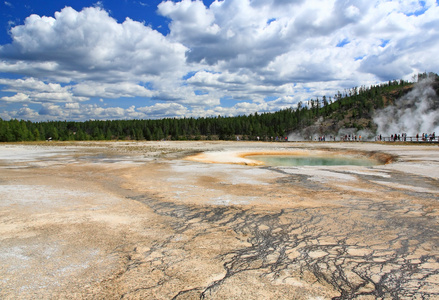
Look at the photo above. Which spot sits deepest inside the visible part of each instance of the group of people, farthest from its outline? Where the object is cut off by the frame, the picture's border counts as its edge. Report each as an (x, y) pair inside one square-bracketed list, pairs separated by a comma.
[(280, 139), (346, 138), (399, 137), (425, 137), (352, 137), (277, 138)]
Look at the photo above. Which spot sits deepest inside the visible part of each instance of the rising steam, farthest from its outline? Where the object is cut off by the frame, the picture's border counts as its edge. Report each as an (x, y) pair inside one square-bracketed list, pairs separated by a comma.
[(415, 113)]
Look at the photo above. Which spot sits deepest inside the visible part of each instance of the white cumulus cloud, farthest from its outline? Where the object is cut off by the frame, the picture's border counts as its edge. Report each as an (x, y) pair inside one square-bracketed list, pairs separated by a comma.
[(261, 54)]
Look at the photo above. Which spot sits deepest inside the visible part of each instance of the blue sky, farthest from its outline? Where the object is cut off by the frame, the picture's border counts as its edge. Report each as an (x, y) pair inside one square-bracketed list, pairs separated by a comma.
[(108, 59)]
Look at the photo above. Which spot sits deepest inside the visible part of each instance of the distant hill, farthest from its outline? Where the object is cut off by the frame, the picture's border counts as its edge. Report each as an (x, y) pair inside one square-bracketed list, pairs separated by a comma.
[(349, 112), (355, 112)]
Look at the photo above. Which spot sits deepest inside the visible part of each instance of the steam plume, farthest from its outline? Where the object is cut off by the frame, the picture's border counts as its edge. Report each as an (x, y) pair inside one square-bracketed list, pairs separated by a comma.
[(415, 113)]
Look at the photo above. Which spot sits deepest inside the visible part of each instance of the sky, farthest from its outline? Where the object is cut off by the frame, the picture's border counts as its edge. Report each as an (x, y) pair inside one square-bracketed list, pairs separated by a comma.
[(149, 59)]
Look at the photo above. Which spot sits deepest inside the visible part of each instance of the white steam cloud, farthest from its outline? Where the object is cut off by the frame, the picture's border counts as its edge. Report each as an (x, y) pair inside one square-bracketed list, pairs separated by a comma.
[(415, 113)]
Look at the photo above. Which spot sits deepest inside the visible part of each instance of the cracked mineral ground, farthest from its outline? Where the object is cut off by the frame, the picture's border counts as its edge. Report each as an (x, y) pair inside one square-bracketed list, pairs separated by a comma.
[(202, 220)]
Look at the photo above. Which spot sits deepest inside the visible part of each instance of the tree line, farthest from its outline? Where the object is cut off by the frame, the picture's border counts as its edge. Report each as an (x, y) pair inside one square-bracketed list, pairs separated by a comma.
[(358, 102)]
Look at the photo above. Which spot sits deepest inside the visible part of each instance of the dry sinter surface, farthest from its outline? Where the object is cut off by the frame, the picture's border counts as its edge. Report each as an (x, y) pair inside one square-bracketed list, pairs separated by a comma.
[(141, 220)]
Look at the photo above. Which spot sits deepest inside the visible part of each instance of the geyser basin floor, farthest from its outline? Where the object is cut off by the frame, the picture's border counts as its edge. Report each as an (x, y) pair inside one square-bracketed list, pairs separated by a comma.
[(153, 225)]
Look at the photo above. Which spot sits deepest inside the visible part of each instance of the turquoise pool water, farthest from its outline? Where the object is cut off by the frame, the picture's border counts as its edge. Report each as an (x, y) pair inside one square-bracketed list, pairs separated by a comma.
[(293, 160)]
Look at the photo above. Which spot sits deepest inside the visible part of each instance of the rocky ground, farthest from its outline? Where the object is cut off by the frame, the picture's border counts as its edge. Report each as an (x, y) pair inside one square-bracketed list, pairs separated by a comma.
[(189, 220)]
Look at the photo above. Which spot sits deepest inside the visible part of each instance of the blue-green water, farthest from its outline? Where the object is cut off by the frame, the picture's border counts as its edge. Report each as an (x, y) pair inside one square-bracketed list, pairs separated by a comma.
[(293, 160)]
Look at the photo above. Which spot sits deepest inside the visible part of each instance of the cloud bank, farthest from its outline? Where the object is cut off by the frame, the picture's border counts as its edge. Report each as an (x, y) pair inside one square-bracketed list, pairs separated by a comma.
[(233, 57)]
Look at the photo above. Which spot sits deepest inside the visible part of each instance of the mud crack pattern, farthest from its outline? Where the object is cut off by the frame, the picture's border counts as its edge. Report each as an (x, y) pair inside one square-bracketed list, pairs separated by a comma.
[(327, 246)]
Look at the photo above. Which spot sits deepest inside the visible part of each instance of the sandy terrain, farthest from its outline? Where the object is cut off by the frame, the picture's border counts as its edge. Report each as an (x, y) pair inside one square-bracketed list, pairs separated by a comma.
[(189, 220)]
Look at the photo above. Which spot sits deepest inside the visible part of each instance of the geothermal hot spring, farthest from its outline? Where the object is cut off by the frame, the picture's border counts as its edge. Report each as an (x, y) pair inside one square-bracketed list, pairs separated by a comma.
[(311, 160), (293, 158)]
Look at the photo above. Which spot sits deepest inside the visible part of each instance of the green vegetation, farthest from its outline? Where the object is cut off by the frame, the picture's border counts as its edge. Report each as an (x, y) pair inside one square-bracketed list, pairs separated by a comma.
[(353, 108)]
